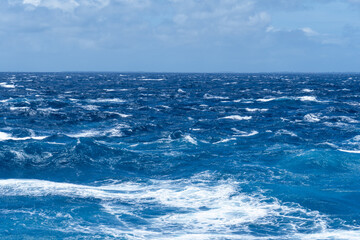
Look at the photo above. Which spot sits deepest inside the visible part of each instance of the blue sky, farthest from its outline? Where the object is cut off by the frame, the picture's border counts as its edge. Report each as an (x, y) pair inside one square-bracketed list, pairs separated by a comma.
[(180, 35)]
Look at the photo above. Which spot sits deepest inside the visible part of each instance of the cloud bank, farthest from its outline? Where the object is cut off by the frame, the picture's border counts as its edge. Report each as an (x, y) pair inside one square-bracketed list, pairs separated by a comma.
[(176, 35)]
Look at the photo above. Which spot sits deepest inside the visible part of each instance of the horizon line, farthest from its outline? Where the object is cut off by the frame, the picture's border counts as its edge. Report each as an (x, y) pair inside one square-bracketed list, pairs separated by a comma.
[(193, 72)]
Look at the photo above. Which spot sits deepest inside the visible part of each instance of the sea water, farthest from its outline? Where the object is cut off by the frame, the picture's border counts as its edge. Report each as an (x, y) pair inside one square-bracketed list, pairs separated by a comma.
[(179, 156)]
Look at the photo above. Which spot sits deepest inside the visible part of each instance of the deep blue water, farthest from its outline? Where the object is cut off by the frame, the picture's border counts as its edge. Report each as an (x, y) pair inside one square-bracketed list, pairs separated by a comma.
[(179, 156)]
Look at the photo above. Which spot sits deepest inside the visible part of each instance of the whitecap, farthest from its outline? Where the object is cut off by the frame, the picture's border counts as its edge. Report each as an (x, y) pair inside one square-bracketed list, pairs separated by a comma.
[(301, 98), (349, 151), (87, 134), (180, 91), (120, 114), (311, 117), (237, 117), (265, 99), (20, 155), (243, 101), (356, 138), (252, 133), (56, 143), (111, 132), (6, 85), (190, 139), (152, 79), (328, 144), (90, 107), (47, 109), (256, 109), (107, 100), (225, 140), (243, 133), (6, 100), (209, 209), (209, 96), (164, 106), (307, 98), (285, 132), (6, 136), (307, 90), (332, 234), (19, 108)]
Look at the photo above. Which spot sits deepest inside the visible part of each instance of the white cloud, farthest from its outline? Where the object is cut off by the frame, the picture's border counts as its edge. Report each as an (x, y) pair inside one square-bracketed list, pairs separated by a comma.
[(136, 3), (125, 23), (309, 32), (70, 5), (35, 3), (230, 32), (65, 5)]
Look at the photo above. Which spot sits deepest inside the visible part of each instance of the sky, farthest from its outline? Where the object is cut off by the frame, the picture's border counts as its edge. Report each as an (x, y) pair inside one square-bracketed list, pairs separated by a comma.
[(180, 35)]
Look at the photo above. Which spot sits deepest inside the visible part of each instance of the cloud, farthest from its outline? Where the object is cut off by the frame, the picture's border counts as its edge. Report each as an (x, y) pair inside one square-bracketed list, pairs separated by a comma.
[(110, 23), (71, 5), (213, 31), (65, 5), (309, 32), (120, 23)]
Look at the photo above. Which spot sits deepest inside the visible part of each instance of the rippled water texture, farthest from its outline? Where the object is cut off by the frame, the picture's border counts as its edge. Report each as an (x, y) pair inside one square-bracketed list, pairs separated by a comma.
[(179, 156)]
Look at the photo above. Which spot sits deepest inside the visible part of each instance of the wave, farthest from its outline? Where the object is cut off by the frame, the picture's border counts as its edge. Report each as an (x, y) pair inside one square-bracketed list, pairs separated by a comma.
[(6, 136), (111, 132), (286, 132), (152, 79), (267, 99), (248, 134), (301, 98), (307, 99), (120, 114), (209, 96), (106, 100), (311, 117), (181, 91), (307, 90), (6, 85), (205, 209), (15, 109), (256, 109), (349, 151), (243, 101), (237, 117), (332, 234), (90, 107), (346, 119), (225, 140), (190, 139)]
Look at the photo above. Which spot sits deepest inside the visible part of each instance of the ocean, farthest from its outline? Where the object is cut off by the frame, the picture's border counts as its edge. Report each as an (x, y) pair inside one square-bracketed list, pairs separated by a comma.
[(179, 156)]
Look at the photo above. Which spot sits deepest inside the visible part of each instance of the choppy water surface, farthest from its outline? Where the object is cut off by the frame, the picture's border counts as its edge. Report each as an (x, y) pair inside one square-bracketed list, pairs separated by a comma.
[(179, 156)]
